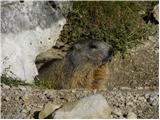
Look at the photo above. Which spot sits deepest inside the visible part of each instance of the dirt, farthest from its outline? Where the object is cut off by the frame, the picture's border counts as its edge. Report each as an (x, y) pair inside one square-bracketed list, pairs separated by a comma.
[(25, 102), (138, 68)]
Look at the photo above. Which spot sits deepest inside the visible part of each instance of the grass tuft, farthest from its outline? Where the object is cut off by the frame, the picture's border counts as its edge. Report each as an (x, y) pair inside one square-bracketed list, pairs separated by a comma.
[(119, 23), (12, 81)]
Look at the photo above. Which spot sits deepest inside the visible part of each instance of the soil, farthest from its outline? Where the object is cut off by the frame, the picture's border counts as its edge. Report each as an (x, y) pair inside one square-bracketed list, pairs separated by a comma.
[(26, 102)]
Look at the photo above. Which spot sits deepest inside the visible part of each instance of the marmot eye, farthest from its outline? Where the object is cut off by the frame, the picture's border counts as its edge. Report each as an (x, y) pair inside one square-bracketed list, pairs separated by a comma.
[(93, 46)]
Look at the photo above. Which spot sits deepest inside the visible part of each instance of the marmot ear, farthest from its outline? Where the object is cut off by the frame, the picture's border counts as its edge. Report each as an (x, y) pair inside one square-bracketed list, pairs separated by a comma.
[(77, 47)]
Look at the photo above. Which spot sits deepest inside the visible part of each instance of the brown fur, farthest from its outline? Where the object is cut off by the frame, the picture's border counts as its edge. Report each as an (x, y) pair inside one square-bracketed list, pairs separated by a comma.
[(64, 74)]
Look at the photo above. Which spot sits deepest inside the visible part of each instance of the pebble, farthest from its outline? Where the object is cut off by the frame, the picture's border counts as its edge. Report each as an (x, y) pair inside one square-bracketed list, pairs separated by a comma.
[(131, 115), (117, 112), (6, 99), (24, 111), (48, 109), (5, 86), (73, 91), (21, 87)]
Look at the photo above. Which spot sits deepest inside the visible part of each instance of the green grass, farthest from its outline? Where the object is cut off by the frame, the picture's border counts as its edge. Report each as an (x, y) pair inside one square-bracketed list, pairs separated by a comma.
[(12, 81), (44, 84), (119, 23), (15, 82)]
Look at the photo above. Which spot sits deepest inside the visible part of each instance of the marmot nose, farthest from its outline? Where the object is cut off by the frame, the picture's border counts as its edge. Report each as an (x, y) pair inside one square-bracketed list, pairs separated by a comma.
[(109, 55), (110, 52)]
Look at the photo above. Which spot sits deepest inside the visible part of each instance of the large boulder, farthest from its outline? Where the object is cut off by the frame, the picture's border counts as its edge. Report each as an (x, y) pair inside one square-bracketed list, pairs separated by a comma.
[(28, 28), (91, 107)]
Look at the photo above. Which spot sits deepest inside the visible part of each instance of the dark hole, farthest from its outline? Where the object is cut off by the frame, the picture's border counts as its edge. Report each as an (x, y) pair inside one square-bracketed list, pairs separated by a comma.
[(148, 100), (21, 1), (49, 38), (125, 115), (36, 115), (138, 117), (93, 46), (41, 42), (62, 98), (151, 104), (125, 103)]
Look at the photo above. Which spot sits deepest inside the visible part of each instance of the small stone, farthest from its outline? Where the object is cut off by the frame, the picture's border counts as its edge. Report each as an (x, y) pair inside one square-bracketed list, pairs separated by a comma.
[(5, 86), (59, 44), (48, 109), (6, 99), (130, 103), (28, 108), (73, 91), (25, 97), (117, 113), (24, 111), (131, 115), (153, 98), (29, 88), (125, 88), (21, 87)]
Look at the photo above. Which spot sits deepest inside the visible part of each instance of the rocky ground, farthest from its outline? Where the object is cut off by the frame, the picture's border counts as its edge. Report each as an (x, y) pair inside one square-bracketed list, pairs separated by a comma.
[(132, 91), (27, 102)]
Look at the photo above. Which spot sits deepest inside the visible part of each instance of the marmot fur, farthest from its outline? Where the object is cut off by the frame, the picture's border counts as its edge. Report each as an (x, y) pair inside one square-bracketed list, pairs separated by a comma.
[(84, 66)]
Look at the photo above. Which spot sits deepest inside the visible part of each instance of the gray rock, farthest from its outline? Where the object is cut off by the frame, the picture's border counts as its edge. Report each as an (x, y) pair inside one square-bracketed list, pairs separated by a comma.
[(6, 99), (22, 87), (5, 86), (94, 106), (28, 29), (131, 115), (153, 99)]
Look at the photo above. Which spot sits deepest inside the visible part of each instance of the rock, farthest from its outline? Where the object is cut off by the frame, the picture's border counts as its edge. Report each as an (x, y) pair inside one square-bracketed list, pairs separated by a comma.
[(48, 109), (5, 86), (24, 111), (59, 44), (91, 107), (22, 88), (122, 102), (6, 99), (117, 113), (131, 115), (152, 99), (28, 29), (156, 12)]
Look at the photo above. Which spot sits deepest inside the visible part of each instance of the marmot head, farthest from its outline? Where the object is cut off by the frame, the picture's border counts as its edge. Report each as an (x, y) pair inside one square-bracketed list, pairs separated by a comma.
[(92, 51)]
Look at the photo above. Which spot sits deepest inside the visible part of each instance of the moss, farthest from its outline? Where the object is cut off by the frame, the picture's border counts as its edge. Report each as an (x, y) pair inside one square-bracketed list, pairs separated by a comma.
[(117, 22)]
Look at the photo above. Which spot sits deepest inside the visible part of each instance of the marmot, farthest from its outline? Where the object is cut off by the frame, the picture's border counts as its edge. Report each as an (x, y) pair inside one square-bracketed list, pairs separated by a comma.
[(84, 66)]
